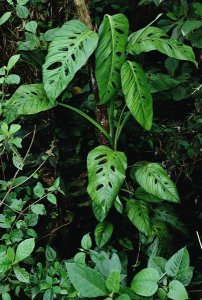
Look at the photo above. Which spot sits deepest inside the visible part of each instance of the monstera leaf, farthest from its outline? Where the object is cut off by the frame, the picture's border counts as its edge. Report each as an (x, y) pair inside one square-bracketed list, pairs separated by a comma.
[(153, 38), (106, 173), (27, 100), (137, 93), (68, 52), (154, 180), (110, 54)]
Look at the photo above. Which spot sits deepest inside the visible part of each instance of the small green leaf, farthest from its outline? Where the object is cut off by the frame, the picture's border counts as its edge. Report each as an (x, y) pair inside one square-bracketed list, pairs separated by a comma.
[(21, 274), (88, 282), (113, 281), (138, 214), (123, 297), (177, 291), (12, 79), (80, 258), (6, 296), (50, 253), (12, 61), (39, 190), (5, 17), (24, 249), (51, 198), (157, 263), (178, 263), (86, 242), (145, 283), (38, 209), (22, 11), (31, 26), (103, 232)]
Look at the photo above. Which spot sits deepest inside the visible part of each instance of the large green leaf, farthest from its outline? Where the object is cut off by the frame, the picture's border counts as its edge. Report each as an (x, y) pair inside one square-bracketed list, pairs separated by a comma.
[(27, 100), (177, 291), (154, 180), (69, 50), (145, 283), (106, 173), (138, 214), (137, 93), (88, 282), (110, 54), (153, 38), (167, 214), (178, 263)]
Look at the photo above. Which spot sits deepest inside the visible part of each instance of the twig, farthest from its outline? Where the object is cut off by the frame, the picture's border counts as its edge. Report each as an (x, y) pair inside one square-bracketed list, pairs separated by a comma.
[(200, 243)]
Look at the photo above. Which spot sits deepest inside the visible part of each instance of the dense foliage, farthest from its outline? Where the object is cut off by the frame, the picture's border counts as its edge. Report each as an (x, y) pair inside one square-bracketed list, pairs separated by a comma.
[(100, 147)]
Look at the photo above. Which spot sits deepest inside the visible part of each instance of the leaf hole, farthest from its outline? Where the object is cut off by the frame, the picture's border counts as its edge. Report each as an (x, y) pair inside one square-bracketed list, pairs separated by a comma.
[(110, 185), (99, 170), (100, 156), (54, 66), (119, 53), (119, 30), (73, 57), (113, 168), (103, 161), (99, 187)]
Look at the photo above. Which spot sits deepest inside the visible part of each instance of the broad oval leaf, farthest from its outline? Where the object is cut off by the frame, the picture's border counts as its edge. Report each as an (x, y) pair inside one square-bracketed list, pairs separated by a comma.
[(69, 50), (154, 180), (106, 173), (153, 38), (88, 282), (103, 232), (177, 291), (110, 54), (178, 263), (158, 263), (137, 93), (145, 283), (21, 274), (138, 214), (24, 249), (27, 100)]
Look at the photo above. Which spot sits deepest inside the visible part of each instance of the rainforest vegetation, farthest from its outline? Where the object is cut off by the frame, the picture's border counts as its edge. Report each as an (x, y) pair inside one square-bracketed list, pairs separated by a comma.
[(100, 149)]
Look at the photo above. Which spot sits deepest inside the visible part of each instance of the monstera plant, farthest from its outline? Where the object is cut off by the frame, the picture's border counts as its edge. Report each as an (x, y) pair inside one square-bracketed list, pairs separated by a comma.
[(117, 71)]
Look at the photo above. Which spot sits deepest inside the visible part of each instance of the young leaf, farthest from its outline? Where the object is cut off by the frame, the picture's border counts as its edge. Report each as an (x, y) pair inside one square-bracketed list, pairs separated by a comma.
[(154, 180), (24, 249), (145, 283), (153, 38), (86, 242), (12, 61), (103, 232), (12, 79), (88, 282), (21, 274), (177, 291), (123, 297), (158, 263), (69, 50), (5, 17), (38, 209), (110, 54), (106, 173), (138, 214), (27, 99), (50, 253), (113, 281), (137, 93), (178, 263)]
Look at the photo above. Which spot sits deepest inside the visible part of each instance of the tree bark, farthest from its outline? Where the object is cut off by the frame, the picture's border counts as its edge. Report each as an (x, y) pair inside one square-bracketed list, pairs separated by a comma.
[(101, 110)]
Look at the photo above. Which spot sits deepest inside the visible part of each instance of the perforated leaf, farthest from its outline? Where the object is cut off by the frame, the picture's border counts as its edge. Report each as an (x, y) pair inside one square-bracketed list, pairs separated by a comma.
[(72, 45), (106, 173), (154, 180), (138, 214), (110, 54), (27, 99), (137, 93), (153, 38)]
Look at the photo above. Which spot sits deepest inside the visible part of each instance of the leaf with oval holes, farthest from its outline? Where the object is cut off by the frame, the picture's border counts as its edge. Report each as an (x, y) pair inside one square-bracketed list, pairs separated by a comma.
[(27, 100), (153, 38), (154, 180), (106, 173), (137, 93), (110, 54), (138, 214), (103, 232), (145, 283), (69, 50)]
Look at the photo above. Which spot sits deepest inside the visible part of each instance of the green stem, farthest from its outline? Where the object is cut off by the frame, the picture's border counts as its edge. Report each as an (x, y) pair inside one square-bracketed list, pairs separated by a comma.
[(120, 126), (91, 120), (111, 118)]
